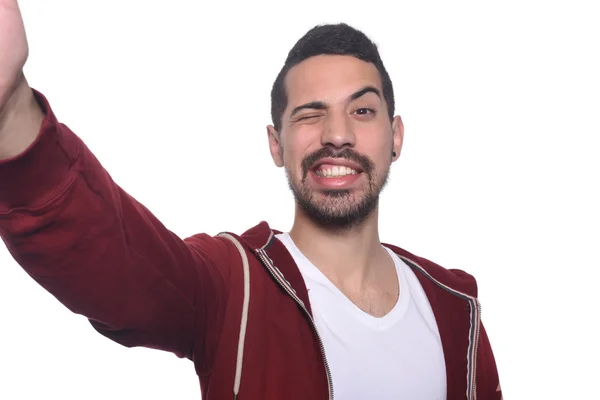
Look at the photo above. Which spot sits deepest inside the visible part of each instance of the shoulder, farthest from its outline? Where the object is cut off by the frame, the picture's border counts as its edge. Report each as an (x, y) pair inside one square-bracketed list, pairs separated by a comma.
[(454, 278)]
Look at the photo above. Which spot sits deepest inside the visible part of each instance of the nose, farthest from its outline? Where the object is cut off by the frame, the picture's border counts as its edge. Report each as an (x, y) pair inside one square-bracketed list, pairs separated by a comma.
[(338, 132)]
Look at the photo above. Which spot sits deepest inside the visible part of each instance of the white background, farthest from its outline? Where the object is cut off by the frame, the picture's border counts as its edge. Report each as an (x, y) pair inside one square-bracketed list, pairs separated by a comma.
[(498, 175)]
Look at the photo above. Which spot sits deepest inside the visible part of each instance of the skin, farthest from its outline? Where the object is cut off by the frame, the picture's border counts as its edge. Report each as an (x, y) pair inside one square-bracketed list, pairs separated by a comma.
[(351, 256), (20, 116)]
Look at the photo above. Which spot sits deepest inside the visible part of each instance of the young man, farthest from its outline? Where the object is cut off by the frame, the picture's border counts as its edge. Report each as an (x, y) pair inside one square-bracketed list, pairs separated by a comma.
[(320, 310)]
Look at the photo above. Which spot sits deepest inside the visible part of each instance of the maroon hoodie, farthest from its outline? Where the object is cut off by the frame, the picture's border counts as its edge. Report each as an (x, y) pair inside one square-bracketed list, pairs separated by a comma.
[(236, 306)]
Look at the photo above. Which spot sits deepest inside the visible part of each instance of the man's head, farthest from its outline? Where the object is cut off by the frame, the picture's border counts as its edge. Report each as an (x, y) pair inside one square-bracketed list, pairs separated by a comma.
[(334, 128)]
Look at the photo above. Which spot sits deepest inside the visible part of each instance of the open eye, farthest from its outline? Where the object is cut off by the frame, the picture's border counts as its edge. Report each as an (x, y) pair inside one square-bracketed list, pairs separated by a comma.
[(364, 111)]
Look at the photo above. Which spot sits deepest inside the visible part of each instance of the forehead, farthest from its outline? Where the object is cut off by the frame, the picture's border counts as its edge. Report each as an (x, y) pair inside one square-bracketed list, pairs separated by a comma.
[(329, 78)]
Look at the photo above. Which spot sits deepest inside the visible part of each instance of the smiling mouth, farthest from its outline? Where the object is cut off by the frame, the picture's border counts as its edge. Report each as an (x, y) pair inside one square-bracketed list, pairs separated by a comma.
[(332, 171)]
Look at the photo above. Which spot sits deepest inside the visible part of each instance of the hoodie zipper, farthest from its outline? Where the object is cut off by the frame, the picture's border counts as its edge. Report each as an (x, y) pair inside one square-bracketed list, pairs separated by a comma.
[(278, 276), (474, 391), (472, 394)]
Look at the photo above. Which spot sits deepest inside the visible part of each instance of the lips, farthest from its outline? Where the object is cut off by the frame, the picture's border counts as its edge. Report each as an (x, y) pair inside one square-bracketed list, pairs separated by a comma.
[(330, 163), (328, 171), (327, 158)]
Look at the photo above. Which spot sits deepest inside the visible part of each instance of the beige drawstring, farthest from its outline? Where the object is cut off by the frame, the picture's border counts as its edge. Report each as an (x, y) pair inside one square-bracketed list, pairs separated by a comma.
[(244, 321)]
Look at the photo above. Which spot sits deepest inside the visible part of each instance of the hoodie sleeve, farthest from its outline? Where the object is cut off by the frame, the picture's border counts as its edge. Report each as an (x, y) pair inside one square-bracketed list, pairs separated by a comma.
[(103, 254)]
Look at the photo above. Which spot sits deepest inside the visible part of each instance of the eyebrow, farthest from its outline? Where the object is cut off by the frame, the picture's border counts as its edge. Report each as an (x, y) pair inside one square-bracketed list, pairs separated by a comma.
[(365, 90), (320, 105)]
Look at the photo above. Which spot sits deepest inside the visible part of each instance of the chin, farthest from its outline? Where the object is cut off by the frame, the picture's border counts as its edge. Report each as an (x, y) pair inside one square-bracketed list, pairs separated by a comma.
[(338, 211)]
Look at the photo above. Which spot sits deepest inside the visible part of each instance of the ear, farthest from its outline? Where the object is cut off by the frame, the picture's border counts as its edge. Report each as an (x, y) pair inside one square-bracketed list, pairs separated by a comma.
[(398, 136), (275, 146)]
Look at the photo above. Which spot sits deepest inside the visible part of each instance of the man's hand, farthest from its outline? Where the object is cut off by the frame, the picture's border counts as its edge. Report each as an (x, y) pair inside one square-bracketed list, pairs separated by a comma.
[(20, 117)]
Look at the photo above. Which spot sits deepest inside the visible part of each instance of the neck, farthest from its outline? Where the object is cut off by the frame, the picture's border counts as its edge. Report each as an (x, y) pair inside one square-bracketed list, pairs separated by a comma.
[(349, 257)]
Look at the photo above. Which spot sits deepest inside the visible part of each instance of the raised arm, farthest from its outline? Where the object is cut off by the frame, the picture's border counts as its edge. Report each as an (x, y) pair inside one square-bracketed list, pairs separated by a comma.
[(20, 118), (84, 239)]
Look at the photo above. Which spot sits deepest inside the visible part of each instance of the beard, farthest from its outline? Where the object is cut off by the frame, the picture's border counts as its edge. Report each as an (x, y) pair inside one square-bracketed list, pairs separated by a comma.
[(338, 210)]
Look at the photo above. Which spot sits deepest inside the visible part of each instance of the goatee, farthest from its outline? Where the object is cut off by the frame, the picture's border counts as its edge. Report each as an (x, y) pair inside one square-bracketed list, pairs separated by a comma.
[(341, 210)]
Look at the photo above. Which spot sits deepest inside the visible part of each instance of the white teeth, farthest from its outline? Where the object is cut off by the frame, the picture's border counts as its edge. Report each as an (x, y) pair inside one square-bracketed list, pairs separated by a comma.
[(335, 171)]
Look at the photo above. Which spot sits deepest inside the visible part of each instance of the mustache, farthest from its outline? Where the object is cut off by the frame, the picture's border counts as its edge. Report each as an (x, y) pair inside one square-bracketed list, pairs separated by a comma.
[(347, 153)]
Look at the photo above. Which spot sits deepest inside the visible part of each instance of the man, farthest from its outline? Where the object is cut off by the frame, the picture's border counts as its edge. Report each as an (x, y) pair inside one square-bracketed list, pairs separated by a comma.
[(320, 310)]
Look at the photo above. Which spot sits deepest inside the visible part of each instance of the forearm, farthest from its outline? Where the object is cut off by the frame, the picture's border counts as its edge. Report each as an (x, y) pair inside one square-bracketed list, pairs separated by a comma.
[(20, 121)]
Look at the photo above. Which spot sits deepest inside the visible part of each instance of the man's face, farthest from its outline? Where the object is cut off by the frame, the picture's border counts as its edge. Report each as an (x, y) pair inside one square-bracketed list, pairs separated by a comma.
[(336, 139)]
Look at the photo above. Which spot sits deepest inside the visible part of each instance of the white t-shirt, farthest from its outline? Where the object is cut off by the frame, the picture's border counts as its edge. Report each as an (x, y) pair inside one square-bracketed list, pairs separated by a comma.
[(397, 356)]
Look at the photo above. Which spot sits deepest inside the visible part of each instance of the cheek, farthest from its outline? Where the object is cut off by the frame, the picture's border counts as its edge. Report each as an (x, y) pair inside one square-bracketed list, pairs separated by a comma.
[(377, 146), (295, 150), (292, 161)]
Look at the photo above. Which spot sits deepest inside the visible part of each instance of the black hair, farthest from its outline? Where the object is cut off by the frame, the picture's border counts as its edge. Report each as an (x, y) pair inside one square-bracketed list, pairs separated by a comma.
[(337, 39)]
